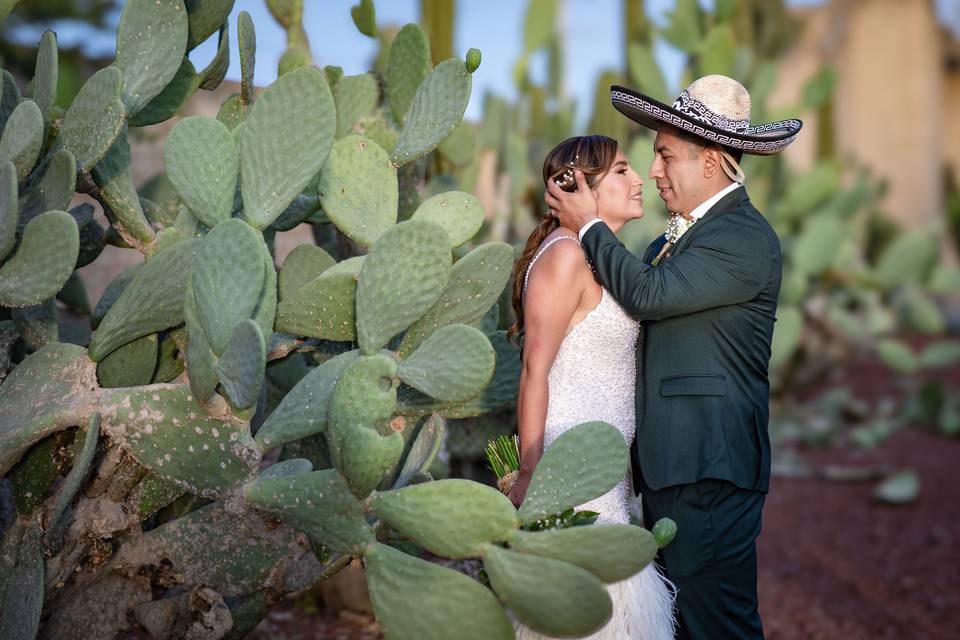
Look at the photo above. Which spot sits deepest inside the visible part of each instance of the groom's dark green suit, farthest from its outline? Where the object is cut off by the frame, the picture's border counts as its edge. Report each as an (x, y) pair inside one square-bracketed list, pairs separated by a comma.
[(702, 453)]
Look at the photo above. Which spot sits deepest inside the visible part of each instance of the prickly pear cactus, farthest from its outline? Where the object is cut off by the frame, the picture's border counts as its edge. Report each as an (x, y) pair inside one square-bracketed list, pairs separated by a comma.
[(229, 434)]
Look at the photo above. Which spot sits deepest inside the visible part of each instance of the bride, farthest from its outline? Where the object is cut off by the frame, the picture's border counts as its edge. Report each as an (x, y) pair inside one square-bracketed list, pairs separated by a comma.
[(579, 361)]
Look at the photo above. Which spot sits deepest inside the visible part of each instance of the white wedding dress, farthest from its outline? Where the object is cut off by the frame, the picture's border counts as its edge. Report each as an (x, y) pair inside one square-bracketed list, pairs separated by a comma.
[(593, 378)]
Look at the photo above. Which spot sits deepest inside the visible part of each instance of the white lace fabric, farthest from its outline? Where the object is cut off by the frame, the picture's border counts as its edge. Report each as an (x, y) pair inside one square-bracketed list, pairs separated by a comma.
[(593, 378)]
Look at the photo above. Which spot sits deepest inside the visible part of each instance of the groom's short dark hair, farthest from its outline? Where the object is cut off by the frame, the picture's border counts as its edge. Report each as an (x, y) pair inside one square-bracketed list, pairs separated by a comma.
[(703, 143)]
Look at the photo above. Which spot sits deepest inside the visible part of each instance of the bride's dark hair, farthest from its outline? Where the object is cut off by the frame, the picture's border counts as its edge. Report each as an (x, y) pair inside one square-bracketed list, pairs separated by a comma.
[(593, 155)]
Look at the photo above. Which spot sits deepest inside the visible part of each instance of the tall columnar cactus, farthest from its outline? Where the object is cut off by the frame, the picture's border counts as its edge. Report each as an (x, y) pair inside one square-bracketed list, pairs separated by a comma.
[(206, 366)]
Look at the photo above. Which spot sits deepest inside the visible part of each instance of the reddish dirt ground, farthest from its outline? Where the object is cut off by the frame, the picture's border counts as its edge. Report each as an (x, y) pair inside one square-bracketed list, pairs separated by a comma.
[(834, 562)]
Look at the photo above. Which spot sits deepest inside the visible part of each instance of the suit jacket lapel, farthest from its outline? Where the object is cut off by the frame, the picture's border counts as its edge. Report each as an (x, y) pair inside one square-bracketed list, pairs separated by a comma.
[(726, 203)]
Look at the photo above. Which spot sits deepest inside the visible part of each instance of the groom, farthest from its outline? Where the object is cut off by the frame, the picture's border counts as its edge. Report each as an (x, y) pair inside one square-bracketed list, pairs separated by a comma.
[(707, 291)]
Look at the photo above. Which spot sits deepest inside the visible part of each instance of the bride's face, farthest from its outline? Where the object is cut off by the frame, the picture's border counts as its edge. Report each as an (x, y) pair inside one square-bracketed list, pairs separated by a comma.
[(619, 195)]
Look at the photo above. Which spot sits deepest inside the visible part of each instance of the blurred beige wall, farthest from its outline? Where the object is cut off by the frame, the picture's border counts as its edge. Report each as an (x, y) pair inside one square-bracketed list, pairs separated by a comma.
[(895, 106)]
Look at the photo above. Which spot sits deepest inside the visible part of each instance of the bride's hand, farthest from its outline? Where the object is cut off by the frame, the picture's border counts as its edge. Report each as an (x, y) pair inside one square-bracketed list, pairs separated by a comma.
[(519, 490)]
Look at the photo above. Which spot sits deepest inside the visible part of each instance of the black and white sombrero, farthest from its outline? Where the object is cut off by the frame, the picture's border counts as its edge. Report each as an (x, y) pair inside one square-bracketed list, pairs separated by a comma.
[(716, 108)]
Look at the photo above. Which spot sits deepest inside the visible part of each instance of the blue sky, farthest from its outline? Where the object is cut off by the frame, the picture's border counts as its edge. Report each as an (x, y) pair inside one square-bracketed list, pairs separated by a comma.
[(592, 29)]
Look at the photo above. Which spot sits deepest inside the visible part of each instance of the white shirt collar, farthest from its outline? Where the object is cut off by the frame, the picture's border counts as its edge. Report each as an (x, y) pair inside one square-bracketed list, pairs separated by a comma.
[(702, 209)]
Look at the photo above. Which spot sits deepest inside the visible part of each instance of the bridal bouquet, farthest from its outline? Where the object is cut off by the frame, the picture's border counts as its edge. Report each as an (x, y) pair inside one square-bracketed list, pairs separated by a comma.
[(503, 454)]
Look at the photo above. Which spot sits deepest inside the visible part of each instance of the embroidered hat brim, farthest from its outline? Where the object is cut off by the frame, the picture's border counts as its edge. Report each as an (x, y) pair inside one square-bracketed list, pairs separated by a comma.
[(762, 140)]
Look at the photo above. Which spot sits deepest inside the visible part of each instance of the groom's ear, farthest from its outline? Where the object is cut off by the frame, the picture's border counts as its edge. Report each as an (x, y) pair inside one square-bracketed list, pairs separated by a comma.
[(710, 159)]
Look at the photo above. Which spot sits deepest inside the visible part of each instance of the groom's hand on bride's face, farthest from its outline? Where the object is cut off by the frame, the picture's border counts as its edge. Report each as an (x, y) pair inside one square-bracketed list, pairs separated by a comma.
[(573, 208)]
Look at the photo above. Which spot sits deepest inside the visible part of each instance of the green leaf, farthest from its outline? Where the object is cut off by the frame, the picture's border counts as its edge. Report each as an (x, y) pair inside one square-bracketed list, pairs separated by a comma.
[(900, 488), (897, 355), (364, 16)]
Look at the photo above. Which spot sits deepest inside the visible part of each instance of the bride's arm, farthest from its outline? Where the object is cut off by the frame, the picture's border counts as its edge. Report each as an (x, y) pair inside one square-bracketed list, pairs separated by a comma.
[(555, 287)]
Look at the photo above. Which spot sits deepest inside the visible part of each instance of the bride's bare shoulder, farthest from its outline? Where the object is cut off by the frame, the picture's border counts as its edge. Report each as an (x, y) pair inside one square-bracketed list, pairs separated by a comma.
[(562, 259)]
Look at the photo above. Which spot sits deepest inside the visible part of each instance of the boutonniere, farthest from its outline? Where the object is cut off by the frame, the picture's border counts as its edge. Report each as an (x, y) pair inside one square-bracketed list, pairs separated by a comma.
[(677, 225)]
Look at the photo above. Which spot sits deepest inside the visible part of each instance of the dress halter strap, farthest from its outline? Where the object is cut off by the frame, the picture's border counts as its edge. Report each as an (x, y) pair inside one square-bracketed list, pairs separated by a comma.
[(540, 251)]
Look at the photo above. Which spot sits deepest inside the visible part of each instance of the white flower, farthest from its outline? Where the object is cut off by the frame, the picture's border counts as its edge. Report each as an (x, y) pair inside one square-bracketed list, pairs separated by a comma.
[(677, 226)]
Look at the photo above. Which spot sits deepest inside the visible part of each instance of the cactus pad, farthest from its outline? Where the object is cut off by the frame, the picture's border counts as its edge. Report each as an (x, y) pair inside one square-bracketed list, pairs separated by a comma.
[(130, 365), (423, 451), (453, 364), (453, 518), (151, 302), (436, 109), (302, 265), (45, 76), (241, 367), (318, 503), (413, 598), (550, 596), (403, 275), (201, 160), (168, 432), (358, 189), (459, 213), (52, 189), (612, 552), (151, 42), (355, 97), (321, 308), (284, 142), (227, 280), (94, 120), (476, 281), (407, 66), (583, 463), (303, 411), (43, 261), (114, 176), (9, 214), (22, 138)]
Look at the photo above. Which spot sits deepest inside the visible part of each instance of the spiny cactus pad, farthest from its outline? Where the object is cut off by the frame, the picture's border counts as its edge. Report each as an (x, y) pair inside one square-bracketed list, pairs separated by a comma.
[(302, 265), (453, 364), (95, 118), (402, 276), (168, 432), (202, 162), (130, 365), (22, 138), (583, 463), (436, 109), (45, 76), (52, 189), (476, 281), (114, 175), (358, 189), (453, 518), (151, 41), (322, 308), (284, 142), (413, 598), (407, 66), (612, 552), (200, 356), (23, 600), (227, 280), (459, 213), (550, 596), (241, 367), (423, 450), (153, 301), (8, 208), (355, 97), (303, 411), (205, 18), (43, 261), (318, 503), (362, 400)]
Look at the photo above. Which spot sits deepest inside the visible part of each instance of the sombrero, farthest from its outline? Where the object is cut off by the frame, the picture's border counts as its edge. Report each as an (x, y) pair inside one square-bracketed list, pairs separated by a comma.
[(715, 108)]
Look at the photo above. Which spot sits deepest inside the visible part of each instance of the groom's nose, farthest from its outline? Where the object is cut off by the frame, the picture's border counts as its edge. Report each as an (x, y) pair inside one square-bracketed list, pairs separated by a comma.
[(656, 168)]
